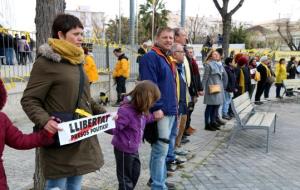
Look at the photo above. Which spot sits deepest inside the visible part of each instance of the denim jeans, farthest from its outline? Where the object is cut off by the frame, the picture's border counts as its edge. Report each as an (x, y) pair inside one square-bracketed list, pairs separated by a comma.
[(171, 155), (159, 151), (9, 56), (68, 183), (226, 103)]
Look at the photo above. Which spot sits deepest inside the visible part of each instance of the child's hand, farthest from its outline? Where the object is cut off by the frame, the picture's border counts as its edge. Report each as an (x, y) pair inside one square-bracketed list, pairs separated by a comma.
[(158, 114), (52, 126), (115, 117)]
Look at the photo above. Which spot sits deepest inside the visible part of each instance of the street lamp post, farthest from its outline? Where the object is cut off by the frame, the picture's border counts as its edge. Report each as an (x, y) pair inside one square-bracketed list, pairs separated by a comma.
[(153, 15)]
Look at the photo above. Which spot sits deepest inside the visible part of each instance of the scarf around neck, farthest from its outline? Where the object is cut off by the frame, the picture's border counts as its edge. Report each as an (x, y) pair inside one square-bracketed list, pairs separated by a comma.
[(67, 50), (267, 69)]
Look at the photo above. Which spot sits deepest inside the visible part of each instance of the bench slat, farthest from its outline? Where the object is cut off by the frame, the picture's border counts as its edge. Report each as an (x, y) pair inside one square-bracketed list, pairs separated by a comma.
[(262, 119), (256, 119), (240, 99), (246, 112), (268, 119), (243, 106)]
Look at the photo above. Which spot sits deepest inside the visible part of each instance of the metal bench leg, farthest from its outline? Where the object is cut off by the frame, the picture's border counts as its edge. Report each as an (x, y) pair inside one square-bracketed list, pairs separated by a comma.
[(268, 141), (275, 123), (232, 136)]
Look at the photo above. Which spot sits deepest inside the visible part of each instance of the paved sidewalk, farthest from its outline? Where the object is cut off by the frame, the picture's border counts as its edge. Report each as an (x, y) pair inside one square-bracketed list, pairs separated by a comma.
[(245, 165)]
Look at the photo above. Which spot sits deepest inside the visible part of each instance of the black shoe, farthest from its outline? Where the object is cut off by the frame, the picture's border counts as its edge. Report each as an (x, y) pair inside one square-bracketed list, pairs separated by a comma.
[(258, 103), (220, 122), (171, 167), (208, 127), (227, 117), (184, 141), (215, 125), (186, 134), (149, 182), (170, 186)]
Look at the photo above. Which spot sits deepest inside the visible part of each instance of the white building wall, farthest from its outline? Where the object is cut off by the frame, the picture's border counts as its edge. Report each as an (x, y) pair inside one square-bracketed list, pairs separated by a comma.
[(7, 16)]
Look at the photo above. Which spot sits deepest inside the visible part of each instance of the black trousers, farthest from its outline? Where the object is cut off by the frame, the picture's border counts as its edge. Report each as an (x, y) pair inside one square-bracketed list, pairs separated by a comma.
[(259, 90), (121, 87), (190, 110), (128, 169), (267, 89), (251, 90)]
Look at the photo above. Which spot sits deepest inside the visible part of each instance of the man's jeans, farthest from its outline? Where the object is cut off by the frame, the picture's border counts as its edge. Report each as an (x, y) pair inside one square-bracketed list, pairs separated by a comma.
[(158, 170), (226, 103), (171, 155), (68, 183), (9, 56)]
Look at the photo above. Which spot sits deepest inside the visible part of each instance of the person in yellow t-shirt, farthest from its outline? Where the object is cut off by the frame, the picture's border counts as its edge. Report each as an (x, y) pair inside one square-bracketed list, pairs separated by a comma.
[(121, 73), (90, 66)]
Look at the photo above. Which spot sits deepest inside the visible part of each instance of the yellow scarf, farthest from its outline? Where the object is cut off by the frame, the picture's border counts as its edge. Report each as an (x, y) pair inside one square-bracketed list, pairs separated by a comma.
[(267, 69), (242, 81), (67, 50)]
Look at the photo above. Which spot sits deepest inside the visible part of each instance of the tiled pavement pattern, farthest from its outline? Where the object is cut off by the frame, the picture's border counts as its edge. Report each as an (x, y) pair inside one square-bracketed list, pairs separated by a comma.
[(245, 165)]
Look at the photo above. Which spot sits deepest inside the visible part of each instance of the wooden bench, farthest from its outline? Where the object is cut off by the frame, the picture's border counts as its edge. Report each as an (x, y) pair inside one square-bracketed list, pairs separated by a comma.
[(293, 85), (248, 118)]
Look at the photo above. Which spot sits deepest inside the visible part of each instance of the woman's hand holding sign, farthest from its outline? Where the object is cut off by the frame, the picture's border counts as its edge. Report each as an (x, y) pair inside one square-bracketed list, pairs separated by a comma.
[(52, 125)]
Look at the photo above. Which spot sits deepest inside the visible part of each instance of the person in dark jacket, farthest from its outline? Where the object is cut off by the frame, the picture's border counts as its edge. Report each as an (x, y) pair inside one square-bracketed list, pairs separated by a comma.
[(157, 67), (2, 49), (16, 48), (291, 70), (269, 82), (56, 87), (230, 88), (243, 78), (195, 90), (14, 138), (265, 72), (9, 49), (141, 51), (133, 115), (252, 68)]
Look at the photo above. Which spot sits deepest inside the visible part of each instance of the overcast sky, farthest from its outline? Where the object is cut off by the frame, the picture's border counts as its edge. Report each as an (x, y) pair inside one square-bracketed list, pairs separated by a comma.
[(252, 11)]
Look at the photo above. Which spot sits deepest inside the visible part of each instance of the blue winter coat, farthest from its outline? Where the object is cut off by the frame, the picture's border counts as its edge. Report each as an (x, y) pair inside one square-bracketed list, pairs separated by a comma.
[(154, 66)]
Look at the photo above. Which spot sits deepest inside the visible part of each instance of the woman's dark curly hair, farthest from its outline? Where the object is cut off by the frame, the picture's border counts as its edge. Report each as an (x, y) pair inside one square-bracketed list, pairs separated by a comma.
[(3, 94)]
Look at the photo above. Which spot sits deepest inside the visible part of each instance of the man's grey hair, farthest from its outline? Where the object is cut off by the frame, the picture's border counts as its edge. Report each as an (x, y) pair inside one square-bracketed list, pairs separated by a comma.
[(175, 47), (189, 47), (178, 30)]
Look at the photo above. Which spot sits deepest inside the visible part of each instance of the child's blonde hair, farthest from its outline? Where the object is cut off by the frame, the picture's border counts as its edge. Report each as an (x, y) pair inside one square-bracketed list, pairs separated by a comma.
[(144, 95)]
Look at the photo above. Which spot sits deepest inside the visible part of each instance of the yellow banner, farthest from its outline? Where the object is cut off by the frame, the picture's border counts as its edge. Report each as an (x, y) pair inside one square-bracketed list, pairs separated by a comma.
[(287, 55)]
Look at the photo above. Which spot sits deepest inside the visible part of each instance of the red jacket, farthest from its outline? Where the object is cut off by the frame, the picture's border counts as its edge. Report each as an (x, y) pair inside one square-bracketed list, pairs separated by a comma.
[(13, 137)]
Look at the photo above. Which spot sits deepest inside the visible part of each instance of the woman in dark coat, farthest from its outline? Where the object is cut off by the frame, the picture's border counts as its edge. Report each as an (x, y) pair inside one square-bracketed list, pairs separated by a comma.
[(243, 78), (56, 87)]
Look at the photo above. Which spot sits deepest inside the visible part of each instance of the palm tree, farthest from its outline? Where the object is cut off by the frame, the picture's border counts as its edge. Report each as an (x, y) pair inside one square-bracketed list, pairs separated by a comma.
[(160, 16)]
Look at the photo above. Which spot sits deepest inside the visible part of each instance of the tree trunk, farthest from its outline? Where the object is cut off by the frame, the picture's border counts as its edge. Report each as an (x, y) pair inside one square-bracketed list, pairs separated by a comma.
[(46, 11), (226, 34)]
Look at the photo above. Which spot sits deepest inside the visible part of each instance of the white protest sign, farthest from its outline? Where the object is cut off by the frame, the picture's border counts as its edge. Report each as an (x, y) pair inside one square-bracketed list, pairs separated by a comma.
[(83, 128)]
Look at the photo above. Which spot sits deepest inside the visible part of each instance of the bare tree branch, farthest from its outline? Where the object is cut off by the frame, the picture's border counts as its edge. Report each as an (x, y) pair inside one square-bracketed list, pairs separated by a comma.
[(239, 5), (218, 6), (283, 37)]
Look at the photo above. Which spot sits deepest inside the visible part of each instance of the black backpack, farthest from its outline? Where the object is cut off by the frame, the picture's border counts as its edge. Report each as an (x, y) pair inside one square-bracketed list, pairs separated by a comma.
[(151, 133)]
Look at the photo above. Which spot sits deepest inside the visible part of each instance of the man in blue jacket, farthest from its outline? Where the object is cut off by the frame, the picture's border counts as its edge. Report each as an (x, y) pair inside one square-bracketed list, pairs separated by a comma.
[(157, 67)]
